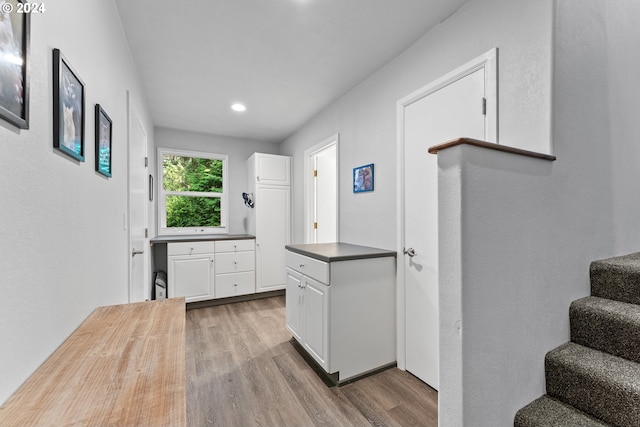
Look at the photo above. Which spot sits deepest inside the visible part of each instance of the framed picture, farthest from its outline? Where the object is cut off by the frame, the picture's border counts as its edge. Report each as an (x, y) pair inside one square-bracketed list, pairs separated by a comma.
[(363, 178), (103, 142), (68, 108), (14, 76)]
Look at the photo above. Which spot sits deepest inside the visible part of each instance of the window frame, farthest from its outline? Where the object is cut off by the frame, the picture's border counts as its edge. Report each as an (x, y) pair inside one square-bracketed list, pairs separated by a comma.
[(162, 194)]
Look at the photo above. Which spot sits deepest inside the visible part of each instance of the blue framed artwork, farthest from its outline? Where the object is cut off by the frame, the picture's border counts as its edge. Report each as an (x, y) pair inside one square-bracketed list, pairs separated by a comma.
[(103, 142), (363, 178), (68, 108)]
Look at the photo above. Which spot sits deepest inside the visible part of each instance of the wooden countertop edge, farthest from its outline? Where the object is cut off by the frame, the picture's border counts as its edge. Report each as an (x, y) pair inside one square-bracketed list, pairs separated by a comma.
[(491, 146)]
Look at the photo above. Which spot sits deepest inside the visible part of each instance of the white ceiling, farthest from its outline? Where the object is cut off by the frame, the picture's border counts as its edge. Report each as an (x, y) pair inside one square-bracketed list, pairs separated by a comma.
[(285, 59)]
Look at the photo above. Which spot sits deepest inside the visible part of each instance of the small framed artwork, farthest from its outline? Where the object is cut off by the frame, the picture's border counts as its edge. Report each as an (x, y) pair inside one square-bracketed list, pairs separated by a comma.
[(363, 178), (68, 108), (103, 142), (14, 76)]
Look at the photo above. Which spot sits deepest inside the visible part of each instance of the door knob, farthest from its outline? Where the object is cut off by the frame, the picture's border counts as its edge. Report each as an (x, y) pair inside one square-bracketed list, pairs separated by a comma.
[(134, 252), (411, 252)]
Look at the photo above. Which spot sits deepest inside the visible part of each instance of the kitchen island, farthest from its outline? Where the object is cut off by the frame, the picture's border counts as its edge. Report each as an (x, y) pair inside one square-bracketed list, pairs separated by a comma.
[(340, 307)]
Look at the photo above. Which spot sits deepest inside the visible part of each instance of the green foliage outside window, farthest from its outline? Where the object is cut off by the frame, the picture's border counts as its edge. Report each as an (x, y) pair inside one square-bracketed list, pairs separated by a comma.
[(192, 175)]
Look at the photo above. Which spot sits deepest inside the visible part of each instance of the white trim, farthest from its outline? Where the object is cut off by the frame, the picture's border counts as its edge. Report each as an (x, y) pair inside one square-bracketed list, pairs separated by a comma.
[(224, 196), (488, 61), (308, 185)]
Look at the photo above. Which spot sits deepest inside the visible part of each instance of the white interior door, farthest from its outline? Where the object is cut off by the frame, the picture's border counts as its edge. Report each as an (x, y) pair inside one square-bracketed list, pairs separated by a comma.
[(454, 110), (325, 195), (139, 289), (321, 195)]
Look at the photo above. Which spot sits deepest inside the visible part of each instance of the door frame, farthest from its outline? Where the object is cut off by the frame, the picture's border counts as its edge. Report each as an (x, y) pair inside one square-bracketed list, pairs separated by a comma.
[(309, 189), (488, 61)]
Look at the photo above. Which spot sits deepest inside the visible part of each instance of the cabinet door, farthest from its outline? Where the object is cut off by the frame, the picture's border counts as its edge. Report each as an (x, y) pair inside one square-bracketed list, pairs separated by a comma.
[(293, 304), (273, 169), (316, 320), (191, 276), (273, 219)]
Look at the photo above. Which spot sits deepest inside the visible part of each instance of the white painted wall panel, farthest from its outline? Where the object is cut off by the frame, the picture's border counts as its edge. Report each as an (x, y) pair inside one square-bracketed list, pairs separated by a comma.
[(63, 247)]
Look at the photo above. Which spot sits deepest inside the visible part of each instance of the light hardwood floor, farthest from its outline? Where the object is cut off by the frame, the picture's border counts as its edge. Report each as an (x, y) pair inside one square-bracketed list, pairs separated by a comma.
[(242, 370)]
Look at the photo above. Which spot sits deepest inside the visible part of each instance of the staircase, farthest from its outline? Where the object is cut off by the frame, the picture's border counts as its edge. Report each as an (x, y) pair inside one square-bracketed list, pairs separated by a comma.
[(594, 380)]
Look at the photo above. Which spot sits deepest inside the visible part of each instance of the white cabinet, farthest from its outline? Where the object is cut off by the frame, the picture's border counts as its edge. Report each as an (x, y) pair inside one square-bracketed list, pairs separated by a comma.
[(235, 268), (269, 178), (307, 311), (272, 169), (341, 307), (204, 270), (191, 270)]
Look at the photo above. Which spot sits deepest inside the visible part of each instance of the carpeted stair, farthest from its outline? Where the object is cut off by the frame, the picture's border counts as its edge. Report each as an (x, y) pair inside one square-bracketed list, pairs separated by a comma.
[(594, 380)]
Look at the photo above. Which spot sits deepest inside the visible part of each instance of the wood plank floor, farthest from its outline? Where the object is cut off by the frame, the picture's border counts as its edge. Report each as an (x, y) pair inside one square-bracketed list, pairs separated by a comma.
[(242, 370)]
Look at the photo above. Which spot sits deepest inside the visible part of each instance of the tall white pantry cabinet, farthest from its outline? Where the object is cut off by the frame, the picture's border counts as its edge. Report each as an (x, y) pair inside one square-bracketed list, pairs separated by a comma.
[(269, 179)]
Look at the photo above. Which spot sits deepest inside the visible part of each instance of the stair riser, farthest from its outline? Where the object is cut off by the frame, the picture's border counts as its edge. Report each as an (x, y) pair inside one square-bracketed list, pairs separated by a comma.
[(605, 400), (605, 332), (619, 283)]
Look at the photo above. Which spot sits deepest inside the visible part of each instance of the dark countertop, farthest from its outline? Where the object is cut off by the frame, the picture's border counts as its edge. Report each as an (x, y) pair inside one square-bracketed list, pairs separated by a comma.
[(331, 252), (199, 237)]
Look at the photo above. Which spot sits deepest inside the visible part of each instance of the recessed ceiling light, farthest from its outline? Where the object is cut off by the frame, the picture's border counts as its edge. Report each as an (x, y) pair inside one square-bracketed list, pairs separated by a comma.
[(238, 107)]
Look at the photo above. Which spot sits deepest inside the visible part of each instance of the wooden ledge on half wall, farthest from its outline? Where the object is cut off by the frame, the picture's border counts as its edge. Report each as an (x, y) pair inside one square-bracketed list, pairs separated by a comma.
[(491, 146), (123, 366)]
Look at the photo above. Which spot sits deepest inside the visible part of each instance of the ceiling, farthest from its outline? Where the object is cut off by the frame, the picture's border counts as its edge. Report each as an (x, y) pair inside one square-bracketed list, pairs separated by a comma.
[(284, 59)]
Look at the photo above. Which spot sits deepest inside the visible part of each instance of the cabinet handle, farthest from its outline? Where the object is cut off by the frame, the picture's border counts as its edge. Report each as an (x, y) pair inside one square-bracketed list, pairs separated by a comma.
[(257, 178)]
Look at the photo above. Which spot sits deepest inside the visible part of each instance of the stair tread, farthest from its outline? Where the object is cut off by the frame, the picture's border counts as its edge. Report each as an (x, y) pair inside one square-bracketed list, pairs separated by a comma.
[(549, 412), (607, 325), (596, 382)]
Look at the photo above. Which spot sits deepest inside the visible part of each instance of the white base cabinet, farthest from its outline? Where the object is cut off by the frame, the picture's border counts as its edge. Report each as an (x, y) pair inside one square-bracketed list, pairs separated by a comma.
[(342, 311), (191, 270), (204, 270), (235, 268)]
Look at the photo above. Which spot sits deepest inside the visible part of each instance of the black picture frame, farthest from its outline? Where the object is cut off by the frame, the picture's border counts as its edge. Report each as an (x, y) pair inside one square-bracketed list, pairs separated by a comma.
[(14, 70), (363, 178), (104, 134), (68, 108)]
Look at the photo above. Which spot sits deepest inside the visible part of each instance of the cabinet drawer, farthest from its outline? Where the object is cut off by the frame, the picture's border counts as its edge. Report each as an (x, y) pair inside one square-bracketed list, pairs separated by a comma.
[(229, 285), (311, 267), (190, 248), (233, 262), (235, 245)]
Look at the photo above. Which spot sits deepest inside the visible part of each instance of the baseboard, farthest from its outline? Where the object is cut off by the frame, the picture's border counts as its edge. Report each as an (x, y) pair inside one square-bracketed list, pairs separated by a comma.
[(231, 300)]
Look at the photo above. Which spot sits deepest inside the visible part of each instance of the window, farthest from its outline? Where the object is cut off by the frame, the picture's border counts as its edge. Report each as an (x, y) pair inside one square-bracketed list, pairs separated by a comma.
[(193, 195)]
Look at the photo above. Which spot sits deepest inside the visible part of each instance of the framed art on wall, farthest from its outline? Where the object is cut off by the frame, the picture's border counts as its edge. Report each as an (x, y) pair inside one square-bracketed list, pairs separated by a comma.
[(363, 178), (14, 76), (68, 108), (103, 142)]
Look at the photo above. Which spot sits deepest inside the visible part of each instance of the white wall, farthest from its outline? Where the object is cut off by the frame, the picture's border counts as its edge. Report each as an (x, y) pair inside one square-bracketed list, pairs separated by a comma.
[(366, 117), (238, 150), (522, 232), (63, 249)]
